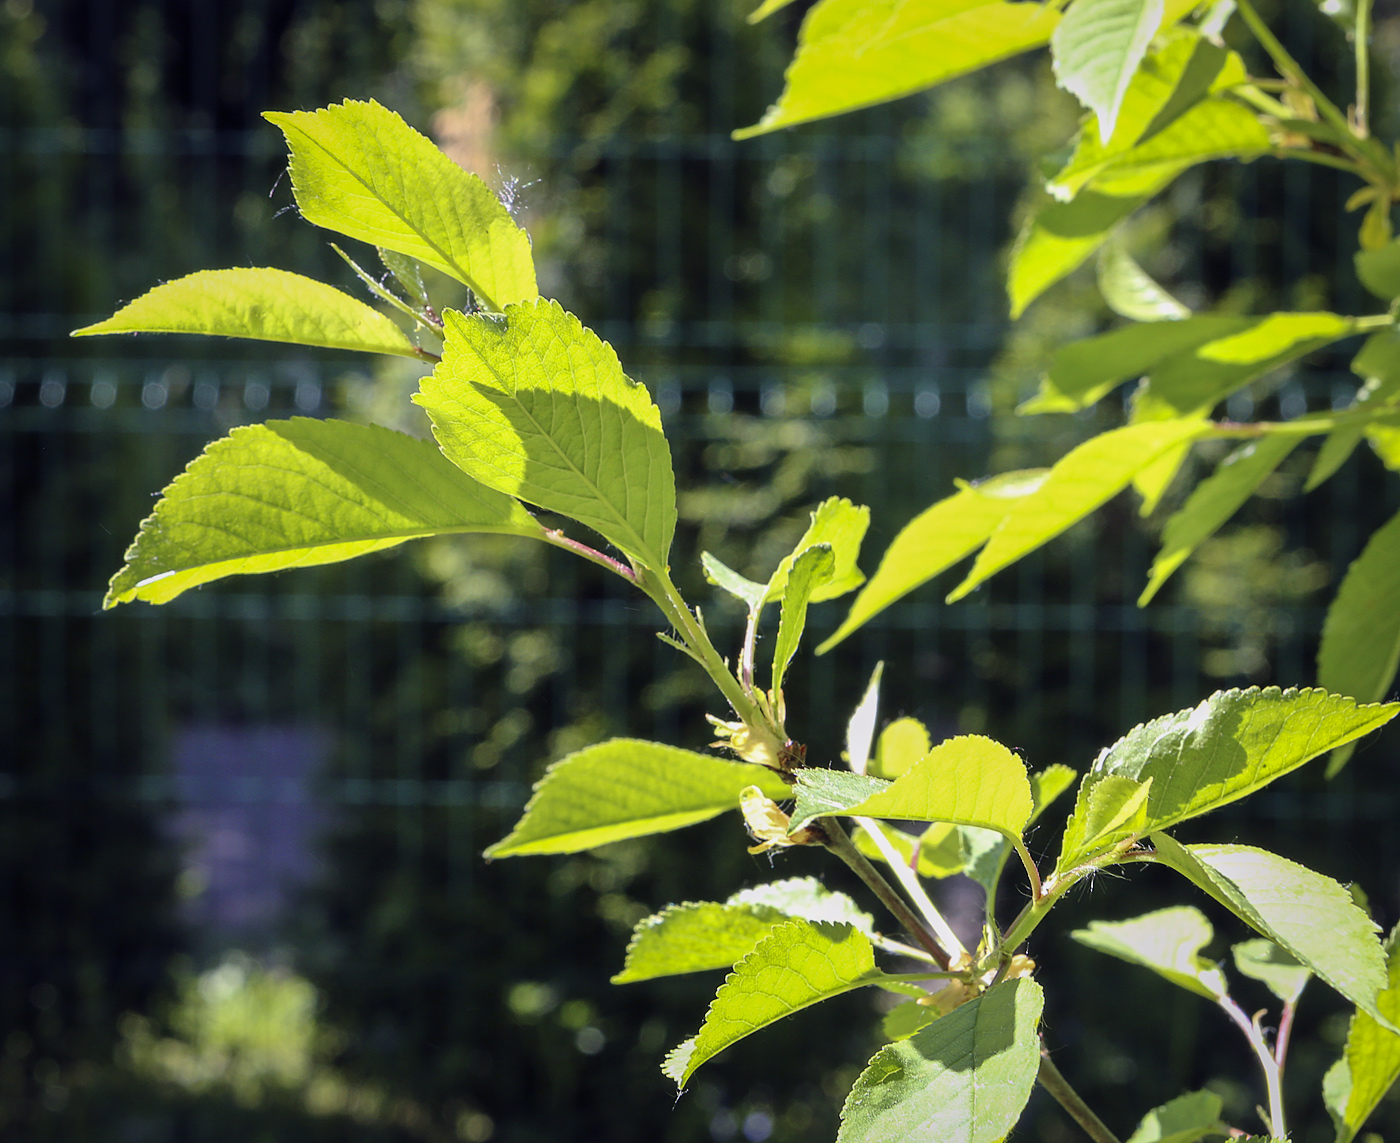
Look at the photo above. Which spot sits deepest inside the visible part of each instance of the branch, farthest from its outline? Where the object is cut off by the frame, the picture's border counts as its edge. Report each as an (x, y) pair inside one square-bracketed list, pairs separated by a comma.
[(1056, 1084)]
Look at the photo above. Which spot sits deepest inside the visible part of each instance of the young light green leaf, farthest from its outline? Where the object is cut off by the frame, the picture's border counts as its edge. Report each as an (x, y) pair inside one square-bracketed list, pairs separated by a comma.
[(934, 541), (1360, 649), (1130, 291), (1195, 382), (963, 1079), (1185, 1119), (1378, 364), (1310, 915), (1087, 477), (297, 493), (749, 593), (860, 731), (1097, 48), (1107, 812), (1214, 501), (812, 569), (1084, 371), (856, 53), (797, 965), (902, 744), (1233, 743), (1379, 270), (407, 272), (1385, 439), (903, 1020), (1169, 942), (698, 936), (1061, 236), (766, 9), (360, 170), (841, 525), (1049, 784), (969, 780), (536, 406), (1276, 967), (262, 304), (1371, 1063), (628, 788)]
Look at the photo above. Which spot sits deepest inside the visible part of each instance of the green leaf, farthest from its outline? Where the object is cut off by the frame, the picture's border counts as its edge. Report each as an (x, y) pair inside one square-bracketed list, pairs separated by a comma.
[(360, 170), (1170, 82), (1275, 967), (860, 731), (1379, 270), (1371, 1063), (1310, 915), (1193, 383), (1060, 237), (797, 965), (1360, 649), (1107, 811), (1087, 477), (856, 53), (963, 1079), (766, 9), (289, 494), (841, 525), (1378, 364), (628, 788), (1084, 371), (1385, 439), (902, 744), (745, 590), (969, 780), (1185, 1119), (536, 406), (407, 272), (1230, 745), (903, 1020), (1049, 784), (1213, 502), (934, 541), (1130, 291), (262, 304), (698, 936), (1097, 48), (811, 570), (1169, 942)]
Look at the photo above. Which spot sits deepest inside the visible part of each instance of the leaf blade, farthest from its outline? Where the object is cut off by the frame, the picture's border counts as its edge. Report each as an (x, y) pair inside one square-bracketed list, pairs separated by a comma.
[(1167, 941), (1371, 1059), (1097, 48)]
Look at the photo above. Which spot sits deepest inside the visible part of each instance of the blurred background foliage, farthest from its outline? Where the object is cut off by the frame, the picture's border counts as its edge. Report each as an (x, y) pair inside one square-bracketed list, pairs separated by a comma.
[(240, 835)]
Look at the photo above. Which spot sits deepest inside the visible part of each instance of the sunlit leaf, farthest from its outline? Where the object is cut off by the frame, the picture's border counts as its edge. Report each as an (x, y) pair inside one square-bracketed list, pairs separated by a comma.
[(1275, 967), (698, 936), (1379, 270), (745, 590), (963, 1079), (1185, 1119), (797, 965), (536, 406), (262, 304), (1370, 1065), (902, 743), (1213, 502), (766, 9), (934, 541), (360, 170), (969, 780), (1360, 649), (1385, 439), (840, 525), (1107, 811), (856, 53), (860, 731), (1310, 915), (1230, 745), (1087, 477), (1378, 364), (628, 788), (296, 493), (1097, 48), (1169, 942), (903, 1020), (810, 571), (1131, 292)]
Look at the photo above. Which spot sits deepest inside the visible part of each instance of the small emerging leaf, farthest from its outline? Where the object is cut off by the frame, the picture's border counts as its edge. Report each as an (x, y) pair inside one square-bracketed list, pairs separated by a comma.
[(745, 590), (840, 525), (860, 731), (536, 406), (1108, 811), (1185, 1119), (1169, 942), (1310, 915), (628, 788), (298, 493), (1275, 967), (261, 304), (1131, 292), (963, 1079), (811, 570), (903, 743)]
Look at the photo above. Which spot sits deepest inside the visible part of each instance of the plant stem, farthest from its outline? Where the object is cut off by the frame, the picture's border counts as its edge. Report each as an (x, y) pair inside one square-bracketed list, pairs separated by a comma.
[(1362, 35), (559, 540), (1285, 1030), (1267, 1063), (909, 879), (840, 843), (1056, 1084), (1037, 891), (1289, 67)]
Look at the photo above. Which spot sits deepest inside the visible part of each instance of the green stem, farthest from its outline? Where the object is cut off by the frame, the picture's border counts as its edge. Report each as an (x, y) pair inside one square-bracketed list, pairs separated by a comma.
[(1362, 36), (840, 843), (559, 540), (1289, 67), (1270, 1067), (1056, 1084)]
